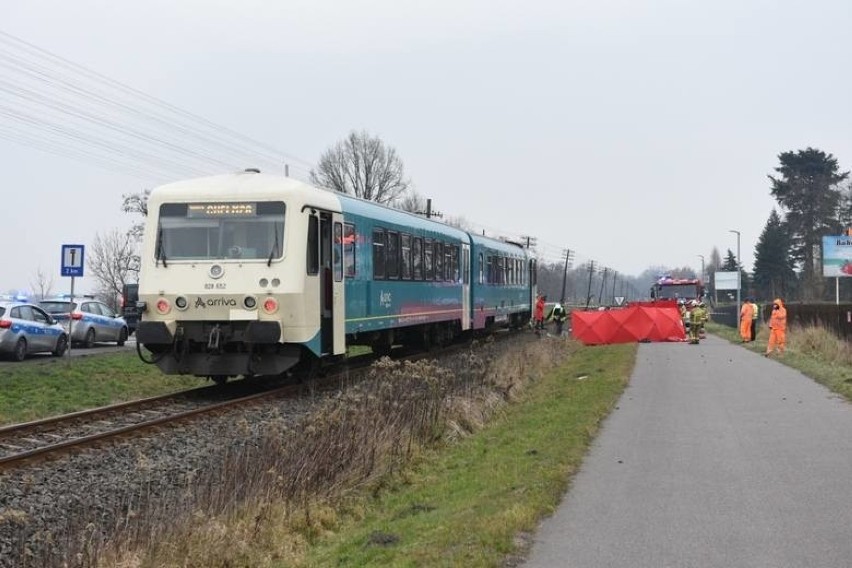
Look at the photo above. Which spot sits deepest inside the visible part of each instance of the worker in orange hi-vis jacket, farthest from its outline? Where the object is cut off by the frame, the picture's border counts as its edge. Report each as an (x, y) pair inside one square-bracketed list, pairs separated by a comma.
[(745, 321), (777, 328)]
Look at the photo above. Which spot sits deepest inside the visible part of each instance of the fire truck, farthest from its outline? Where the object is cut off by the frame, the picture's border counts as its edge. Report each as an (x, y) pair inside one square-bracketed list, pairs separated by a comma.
[(679, 291), (668, 288)]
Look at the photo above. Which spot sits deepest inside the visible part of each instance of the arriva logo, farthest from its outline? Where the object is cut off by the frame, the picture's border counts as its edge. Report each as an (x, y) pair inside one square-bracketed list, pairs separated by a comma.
[(385, 299), (215, 302)]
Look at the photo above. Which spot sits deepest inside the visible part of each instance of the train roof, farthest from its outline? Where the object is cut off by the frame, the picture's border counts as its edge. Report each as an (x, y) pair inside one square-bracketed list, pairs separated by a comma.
[(245, 185), (498, 244), (373, 210)]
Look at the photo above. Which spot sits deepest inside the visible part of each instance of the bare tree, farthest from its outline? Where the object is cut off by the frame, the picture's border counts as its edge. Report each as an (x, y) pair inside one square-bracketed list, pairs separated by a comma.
[(41, 284), (113, 262), (136, 203), (412, 202), (363, 166), (459, 222)]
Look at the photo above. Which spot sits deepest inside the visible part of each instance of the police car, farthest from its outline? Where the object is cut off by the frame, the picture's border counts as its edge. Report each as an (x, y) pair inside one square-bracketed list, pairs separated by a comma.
[(92, 321), (26, 328)]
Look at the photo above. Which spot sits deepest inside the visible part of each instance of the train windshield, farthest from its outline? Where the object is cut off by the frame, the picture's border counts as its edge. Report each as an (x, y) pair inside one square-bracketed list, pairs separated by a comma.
[(250, 230)]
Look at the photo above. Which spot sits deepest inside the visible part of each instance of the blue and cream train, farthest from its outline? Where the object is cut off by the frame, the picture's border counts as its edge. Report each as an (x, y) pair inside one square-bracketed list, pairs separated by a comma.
[(253, 274)]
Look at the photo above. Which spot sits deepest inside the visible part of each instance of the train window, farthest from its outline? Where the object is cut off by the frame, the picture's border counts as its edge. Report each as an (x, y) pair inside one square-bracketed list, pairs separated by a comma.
[(448, 263), (349, 250), (429, 272), (405, 249), (489, 270), (338, 252), (379, 253), (392, 260), (313, 245), (481, 269), (439, 261), (417, 254), (455, 260)]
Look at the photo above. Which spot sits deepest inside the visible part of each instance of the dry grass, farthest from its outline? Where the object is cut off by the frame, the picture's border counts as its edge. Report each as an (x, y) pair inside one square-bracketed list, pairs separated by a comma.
[(267, 502), (819, 342), (814, 350)]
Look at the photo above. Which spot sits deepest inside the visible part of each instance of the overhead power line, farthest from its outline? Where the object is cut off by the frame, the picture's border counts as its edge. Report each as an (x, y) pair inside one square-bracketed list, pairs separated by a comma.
[(62, 107)]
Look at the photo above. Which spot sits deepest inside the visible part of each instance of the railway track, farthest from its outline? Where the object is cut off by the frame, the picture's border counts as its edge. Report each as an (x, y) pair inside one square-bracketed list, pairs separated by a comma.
[(21, 443), (42, 439)]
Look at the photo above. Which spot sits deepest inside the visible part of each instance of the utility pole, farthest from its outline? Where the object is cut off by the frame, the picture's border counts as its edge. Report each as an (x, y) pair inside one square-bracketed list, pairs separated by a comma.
[(589, 292), (614, 280), (429, 213), (603, 281), (531, 241), (565, 275)]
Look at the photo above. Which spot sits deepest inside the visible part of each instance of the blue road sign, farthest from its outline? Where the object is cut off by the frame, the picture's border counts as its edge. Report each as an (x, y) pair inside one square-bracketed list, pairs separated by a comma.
[(72, 260)]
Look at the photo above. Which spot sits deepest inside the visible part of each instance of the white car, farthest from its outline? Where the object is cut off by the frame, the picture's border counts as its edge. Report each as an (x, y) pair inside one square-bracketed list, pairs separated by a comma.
[(92, 321), (26, 328)]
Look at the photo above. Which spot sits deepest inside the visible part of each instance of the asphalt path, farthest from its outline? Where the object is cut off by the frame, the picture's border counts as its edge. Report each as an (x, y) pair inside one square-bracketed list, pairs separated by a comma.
[(76, 351), (714, 457)]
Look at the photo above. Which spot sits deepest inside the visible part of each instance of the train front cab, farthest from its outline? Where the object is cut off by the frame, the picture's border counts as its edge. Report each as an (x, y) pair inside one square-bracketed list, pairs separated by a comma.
[(211, 313)]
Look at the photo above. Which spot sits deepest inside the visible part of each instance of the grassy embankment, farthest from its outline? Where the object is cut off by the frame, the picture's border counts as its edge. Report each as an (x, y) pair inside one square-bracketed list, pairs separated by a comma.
[(467, 505), (813, 350), (37, 389), (463, 492)]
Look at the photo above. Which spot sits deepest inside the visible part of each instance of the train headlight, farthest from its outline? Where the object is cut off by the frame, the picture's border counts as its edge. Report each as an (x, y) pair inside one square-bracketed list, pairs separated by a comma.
[(163, 306), (270, 305), (249, 302), (180, 303)]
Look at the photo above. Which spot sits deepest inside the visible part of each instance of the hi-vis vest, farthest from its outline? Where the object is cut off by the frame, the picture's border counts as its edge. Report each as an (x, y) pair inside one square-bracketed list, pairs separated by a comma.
[(756, 311)]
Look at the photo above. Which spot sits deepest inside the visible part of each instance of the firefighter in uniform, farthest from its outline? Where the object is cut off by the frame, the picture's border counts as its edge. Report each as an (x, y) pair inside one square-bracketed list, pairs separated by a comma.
[(705, 317), (695, 319)]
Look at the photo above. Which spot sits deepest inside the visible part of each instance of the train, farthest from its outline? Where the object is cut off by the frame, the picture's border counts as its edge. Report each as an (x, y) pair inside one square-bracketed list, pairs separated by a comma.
[(249, 273)]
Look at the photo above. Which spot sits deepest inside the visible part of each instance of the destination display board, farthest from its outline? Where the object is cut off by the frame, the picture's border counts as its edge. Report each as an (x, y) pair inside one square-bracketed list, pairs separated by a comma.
[(207, 210)]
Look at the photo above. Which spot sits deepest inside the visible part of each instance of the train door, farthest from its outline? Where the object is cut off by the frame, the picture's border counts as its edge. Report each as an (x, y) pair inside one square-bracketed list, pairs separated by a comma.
[(331, 277), (465, 286), (331, 284)]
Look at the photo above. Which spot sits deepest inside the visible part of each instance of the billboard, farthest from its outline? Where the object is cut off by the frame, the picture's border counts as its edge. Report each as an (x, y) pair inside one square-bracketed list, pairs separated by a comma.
[(727, 280), (837, 256)]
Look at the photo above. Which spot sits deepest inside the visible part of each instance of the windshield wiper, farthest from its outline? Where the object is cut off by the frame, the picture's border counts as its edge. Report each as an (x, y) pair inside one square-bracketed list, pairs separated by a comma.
[(161, 251), (274, 247)]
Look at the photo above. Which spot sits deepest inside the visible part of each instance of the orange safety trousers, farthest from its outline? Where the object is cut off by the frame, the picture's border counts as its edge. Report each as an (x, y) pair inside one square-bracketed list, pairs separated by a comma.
[(777, 338), (745, 329)]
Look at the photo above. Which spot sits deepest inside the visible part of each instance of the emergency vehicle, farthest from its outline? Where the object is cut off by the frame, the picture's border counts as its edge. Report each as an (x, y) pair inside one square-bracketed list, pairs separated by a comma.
[(682, 291)]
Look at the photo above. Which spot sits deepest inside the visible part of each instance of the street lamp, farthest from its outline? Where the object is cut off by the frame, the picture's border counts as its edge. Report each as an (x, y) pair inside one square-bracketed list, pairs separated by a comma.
[(739, 272), (703, 276)]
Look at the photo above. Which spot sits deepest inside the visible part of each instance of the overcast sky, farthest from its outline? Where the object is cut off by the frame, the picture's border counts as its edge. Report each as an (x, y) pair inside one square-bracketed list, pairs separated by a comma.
[(636, 133)]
